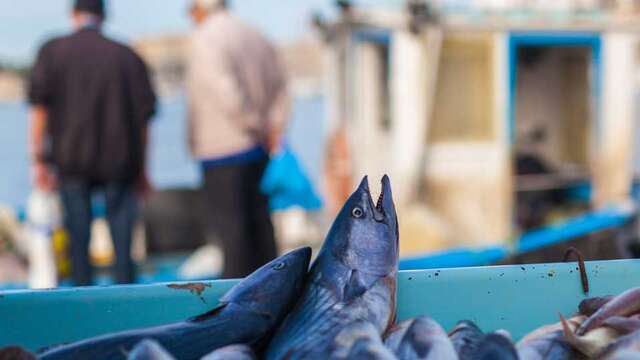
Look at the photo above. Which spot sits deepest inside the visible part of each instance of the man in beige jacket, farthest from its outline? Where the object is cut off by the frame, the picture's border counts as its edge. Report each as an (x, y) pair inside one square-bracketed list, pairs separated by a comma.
[(238, 107)]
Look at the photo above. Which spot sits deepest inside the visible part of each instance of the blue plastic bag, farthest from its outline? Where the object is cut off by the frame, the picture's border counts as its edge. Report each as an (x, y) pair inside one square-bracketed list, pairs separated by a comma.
[(287, 185)]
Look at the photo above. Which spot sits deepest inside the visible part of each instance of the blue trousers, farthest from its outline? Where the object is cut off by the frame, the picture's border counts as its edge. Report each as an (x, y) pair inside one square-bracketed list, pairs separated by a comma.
[(121, 210)]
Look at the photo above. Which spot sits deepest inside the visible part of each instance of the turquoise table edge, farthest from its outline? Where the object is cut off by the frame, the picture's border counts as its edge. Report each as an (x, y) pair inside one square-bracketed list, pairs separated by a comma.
[(518, 298)]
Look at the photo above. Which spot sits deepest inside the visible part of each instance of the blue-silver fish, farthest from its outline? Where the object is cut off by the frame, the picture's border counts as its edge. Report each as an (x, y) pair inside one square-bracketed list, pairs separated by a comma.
[(368, 349), (420, 338), (359, 340), (353, 279), (149, 350), (232, 352), (247, 314), (465, 336), (621, 347), (495, 347)]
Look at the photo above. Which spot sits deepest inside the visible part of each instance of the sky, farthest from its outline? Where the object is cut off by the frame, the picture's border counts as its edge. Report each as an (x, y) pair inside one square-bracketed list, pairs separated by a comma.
[(26, 24)]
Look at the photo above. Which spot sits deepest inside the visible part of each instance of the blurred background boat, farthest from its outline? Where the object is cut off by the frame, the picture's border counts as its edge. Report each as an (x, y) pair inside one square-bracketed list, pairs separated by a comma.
[(509, 129)]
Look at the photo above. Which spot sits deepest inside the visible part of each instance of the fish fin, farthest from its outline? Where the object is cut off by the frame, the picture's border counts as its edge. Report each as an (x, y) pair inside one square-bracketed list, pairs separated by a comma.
[(211, 313), (571, 337), (357, 285)]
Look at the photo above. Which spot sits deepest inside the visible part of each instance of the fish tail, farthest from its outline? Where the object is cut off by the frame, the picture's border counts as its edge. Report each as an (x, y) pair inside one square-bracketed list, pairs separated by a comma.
[(571, 337)]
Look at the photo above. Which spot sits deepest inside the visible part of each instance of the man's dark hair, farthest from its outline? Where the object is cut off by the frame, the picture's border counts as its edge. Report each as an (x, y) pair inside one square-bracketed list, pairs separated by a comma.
[(95, 7)]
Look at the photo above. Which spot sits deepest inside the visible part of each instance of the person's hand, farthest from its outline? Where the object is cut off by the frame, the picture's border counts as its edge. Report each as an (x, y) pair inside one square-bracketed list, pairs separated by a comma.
[(143, 185), (43, 178), (274, 141)]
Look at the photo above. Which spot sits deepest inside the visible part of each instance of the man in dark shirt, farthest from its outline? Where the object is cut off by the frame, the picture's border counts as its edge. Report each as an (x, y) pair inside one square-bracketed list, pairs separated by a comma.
[(91, 101)]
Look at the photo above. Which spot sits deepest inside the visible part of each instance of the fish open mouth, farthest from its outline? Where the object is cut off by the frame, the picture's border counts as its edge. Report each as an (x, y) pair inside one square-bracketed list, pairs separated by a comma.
[(380, 198)]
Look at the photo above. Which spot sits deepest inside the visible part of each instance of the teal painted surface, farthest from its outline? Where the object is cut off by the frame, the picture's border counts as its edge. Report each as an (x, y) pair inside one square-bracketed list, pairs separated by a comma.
[(516, 298)]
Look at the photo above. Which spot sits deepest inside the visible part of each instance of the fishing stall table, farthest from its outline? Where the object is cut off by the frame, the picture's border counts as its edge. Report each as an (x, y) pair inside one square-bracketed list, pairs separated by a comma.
[(518, 298)]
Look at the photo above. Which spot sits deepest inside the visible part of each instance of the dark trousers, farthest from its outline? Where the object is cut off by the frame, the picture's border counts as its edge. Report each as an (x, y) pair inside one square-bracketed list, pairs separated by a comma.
[(239, 216), (121, 208)]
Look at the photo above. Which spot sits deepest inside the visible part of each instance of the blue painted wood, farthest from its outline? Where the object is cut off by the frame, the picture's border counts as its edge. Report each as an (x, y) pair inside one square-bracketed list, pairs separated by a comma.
[(517, 298)]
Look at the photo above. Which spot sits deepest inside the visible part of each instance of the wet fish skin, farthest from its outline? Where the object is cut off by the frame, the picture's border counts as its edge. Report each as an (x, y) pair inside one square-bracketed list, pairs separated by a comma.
[(624, 304), (232, 352), (353, 279), (242, 317), (623, 325), (149, 350), (349, 335), (588, 307), (15, 353), (624, 344), (625, 355), (359, 340), (421, 339), (495, 347), (592, 342), (548, 346), (368, 349), (574, 323), (465, 336)]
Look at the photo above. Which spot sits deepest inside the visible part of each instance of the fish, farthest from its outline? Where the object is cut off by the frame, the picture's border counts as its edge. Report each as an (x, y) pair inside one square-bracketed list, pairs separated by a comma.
[(368, 349), (15, 353), (592, 342), (589, 306), (548, 346), (574, 322), (495, 347), (352, 279), (625, 355), (623, 345), (232, 352), (624, 325), (359, 340), (624, 304), (465, 336), (421, 338), (247, 313), (149, 350)]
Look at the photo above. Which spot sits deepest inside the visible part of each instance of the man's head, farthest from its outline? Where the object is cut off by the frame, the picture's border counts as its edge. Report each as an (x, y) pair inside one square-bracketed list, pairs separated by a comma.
[(200, 9), (88, 12)]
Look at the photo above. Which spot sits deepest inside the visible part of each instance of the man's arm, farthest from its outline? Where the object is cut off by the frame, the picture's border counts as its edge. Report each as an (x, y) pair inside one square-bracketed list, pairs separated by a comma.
[(280, 109)]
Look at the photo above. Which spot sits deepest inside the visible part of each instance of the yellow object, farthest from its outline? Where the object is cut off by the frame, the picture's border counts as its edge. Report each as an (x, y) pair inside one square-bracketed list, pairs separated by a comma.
[(60, 250)]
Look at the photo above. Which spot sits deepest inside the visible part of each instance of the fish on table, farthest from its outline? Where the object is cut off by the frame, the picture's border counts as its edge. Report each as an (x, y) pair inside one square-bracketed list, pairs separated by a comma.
[(548, 342), (149, 350), (247, 314), (420, 339), (591, 343), (624, 304), (359, 340), (232, 352), (622, 346), (624, 325), (465, 336), (495, 347), (589, 306), (368, 349), (353, 279)]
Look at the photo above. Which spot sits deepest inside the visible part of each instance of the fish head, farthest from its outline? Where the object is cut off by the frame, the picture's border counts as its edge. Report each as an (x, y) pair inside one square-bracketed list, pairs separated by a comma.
[(364, 235), (271, 289)]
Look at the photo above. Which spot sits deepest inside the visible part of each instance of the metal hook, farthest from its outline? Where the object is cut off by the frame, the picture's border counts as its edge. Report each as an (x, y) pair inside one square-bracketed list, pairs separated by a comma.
[(584, 279)]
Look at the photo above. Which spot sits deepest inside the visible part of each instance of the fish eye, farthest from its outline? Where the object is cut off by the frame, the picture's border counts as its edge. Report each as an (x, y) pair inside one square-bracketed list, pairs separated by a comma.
[(357, 212), (279, 265)]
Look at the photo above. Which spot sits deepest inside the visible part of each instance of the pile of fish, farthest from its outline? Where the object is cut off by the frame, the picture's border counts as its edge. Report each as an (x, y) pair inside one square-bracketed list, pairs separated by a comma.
[(343, 307)]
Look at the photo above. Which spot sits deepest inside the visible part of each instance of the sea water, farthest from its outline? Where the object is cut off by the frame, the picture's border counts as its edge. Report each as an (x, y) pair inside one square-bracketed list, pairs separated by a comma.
[(170, 164)]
